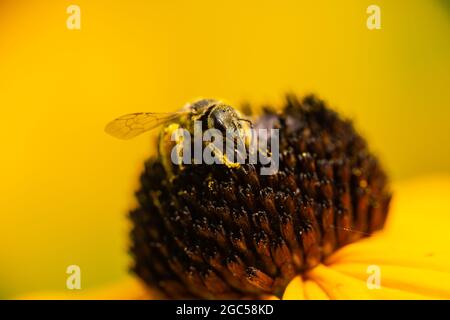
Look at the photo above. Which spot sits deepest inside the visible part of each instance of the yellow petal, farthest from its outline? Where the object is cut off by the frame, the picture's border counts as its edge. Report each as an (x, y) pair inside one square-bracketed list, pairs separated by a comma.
[(381, 251), (347, 286), (313, 291), (294, 291), (430, 283), (338, 285), (420, 213)]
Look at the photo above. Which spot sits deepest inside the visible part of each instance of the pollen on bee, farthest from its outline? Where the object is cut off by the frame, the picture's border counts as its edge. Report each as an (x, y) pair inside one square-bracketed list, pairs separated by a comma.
[(214, 146)]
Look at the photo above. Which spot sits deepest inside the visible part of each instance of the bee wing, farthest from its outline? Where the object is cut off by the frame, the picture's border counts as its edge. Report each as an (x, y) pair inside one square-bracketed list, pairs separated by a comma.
[(130, 125)]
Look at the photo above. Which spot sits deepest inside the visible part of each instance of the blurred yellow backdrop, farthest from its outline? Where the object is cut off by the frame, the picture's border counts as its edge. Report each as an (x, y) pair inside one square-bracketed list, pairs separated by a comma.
[(66, 186)]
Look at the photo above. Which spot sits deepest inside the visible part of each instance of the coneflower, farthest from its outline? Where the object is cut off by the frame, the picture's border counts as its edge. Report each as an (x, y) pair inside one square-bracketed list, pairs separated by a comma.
[(216, 232)]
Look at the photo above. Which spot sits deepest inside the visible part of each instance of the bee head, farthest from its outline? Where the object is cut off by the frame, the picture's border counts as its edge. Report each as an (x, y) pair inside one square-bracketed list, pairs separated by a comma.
[(224, 117)]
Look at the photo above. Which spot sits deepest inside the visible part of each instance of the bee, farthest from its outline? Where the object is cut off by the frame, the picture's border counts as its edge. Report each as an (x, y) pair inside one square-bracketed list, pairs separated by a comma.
[(213, 114)]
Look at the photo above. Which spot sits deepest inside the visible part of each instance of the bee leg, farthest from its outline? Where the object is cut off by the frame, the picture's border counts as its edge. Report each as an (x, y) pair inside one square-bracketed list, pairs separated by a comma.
[(221, 157)]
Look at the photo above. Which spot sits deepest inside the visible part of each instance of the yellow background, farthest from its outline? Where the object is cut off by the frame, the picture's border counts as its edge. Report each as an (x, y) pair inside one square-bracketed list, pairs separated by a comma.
[(66, 186)]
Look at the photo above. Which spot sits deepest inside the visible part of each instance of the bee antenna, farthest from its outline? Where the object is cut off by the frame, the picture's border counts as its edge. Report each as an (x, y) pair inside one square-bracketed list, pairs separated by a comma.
[(246, 120)]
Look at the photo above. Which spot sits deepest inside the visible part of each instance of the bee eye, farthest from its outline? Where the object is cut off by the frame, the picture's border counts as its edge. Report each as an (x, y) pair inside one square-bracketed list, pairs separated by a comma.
[(218, 123)]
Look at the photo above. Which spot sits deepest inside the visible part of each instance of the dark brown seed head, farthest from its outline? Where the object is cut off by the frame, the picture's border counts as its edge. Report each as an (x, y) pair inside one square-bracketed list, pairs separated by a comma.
[(217, 232)]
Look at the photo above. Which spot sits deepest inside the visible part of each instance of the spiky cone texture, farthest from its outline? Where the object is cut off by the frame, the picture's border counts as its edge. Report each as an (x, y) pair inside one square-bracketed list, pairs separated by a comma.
[(216, 232)]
